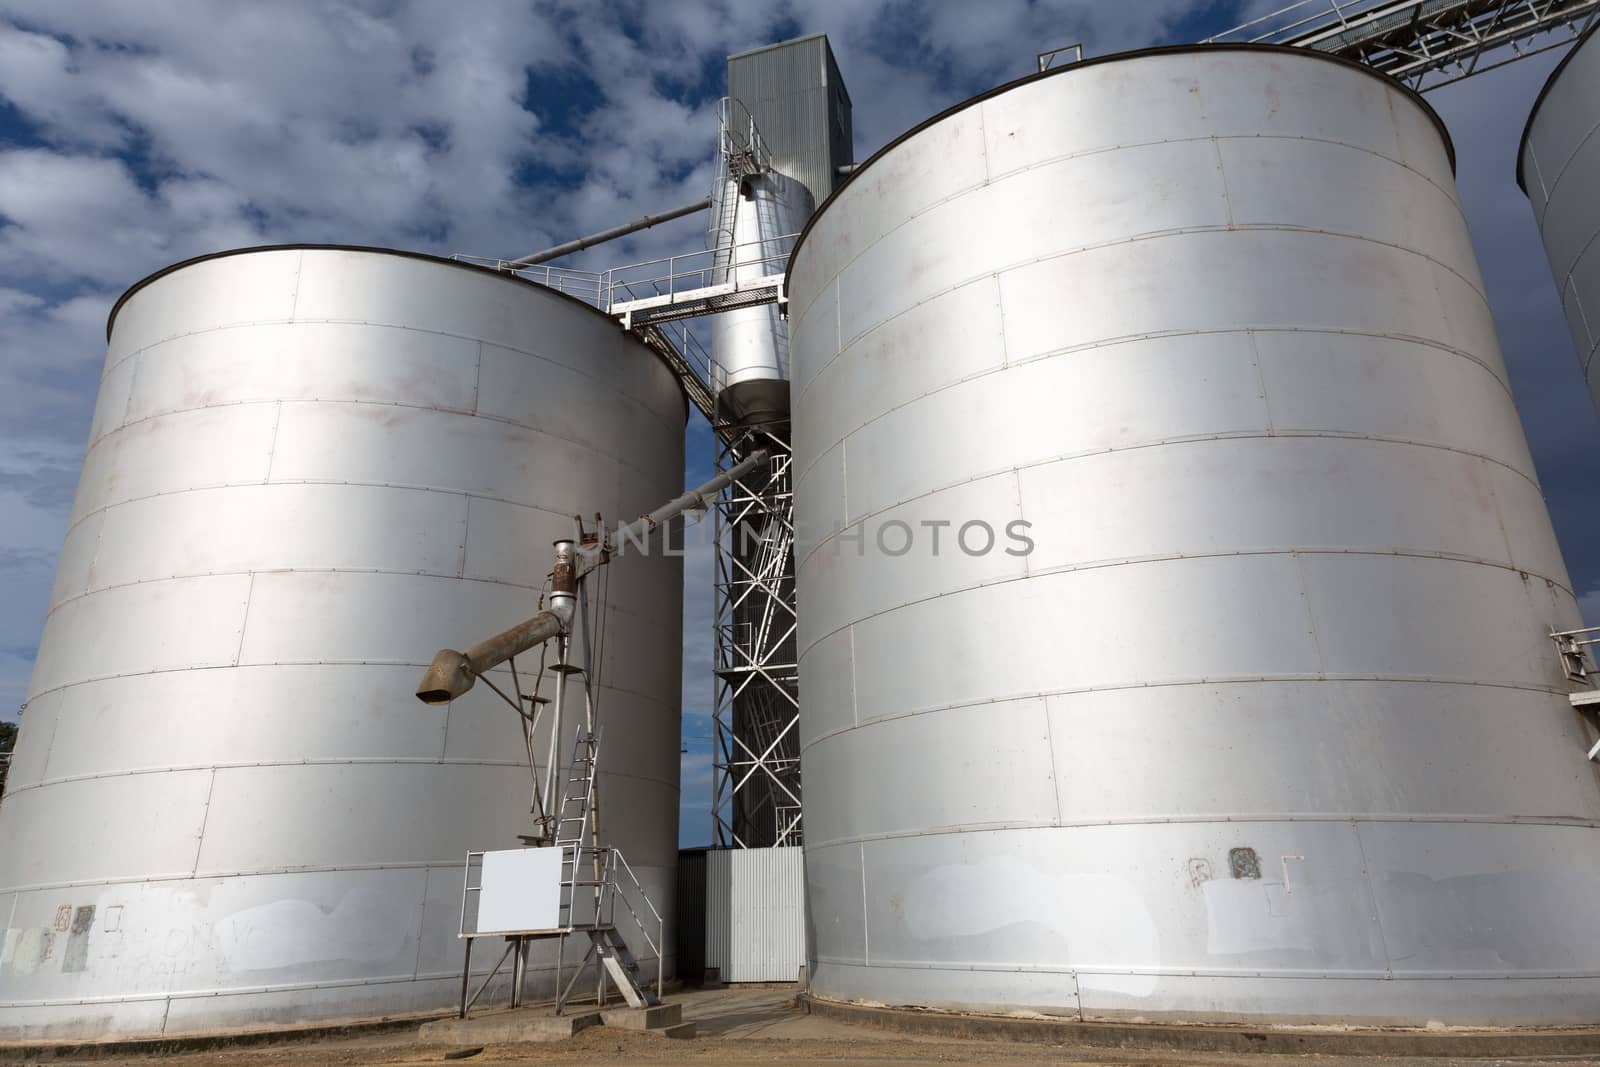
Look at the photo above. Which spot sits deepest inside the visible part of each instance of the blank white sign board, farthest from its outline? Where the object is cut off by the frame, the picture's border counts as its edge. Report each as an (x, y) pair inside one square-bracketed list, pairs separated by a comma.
[(521, 891)]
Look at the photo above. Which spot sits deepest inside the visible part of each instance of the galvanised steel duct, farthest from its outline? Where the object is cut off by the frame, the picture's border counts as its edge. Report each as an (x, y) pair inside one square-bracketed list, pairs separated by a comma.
[(1267, 725)]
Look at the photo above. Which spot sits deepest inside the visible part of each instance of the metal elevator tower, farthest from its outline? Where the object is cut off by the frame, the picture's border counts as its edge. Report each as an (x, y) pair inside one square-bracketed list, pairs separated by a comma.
[(785, 144)]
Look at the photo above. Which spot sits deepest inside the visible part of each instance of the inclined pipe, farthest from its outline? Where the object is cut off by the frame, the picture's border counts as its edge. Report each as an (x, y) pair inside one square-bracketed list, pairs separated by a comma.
[(608, 235), (452, 673), (698, 499)]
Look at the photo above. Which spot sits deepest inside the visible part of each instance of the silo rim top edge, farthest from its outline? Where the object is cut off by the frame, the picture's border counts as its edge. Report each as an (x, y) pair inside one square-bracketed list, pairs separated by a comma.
[(402, 253), (1138, 53), (1544, 91)]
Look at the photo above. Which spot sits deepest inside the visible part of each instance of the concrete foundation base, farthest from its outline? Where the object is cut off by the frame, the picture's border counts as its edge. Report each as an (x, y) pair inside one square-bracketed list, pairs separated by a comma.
[(507, 1027), (542, 1024)]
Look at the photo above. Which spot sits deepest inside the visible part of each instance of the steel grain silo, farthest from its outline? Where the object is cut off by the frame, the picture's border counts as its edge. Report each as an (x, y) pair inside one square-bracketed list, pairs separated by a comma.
[(1267, 725), (1558, 166), (309, 469)]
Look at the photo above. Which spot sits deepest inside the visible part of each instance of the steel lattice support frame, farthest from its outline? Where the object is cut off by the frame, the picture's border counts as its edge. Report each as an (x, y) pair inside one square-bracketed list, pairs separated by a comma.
[(756, 746), (1423, 43)]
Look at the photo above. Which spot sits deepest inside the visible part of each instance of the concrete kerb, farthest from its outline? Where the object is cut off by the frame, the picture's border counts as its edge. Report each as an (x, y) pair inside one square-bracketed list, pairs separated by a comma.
[(1227, 1039), (167, 1046)]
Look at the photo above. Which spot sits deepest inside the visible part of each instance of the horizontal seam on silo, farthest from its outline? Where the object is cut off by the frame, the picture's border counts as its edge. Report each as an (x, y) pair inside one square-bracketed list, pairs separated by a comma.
[(1161, 335), (333, 761), (451, 865), (452, 977), (400, 486), (1137, 561), (316, 402), (1219, 139), (614, 609), (1162, 235), (1000, 826), (1566, 164), (501, 671), (178, 768), (968, 190), (1285, 973), (1564, 279), (979, 279), (607, 384), (1171, 442), (74, 598), (1182, 683)]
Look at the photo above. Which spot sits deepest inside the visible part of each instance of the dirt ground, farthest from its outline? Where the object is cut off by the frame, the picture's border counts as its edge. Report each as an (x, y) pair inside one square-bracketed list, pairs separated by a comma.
[(739, 1025)]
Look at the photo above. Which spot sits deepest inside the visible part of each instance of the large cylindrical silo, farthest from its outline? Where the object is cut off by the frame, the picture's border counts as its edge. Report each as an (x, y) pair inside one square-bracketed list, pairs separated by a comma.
[(1558, 166), (1175, 581), (311, 468)]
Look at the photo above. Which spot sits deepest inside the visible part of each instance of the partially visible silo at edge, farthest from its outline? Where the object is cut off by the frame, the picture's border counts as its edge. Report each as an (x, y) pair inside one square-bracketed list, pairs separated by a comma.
[(1268, 725), (1558, 166), (310, 468)]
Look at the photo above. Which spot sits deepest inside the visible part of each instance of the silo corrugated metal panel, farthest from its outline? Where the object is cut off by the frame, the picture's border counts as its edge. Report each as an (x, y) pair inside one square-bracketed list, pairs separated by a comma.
[(310, 469), (691, 916), (1267, 724), (755, 913), (797, 97), (1559, 169)]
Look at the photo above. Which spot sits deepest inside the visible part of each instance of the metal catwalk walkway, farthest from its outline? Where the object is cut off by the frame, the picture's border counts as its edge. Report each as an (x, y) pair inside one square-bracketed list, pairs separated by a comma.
[(1424, 44)]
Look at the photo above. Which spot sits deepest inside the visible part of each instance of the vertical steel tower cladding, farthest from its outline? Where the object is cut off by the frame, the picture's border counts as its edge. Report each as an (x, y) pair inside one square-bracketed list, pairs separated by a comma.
[(309, 469), (1267, 724), (1559, 168)]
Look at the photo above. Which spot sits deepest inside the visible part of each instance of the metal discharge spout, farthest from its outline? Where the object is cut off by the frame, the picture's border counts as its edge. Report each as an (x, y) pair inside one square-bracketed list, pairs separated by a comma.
[(452, 673)]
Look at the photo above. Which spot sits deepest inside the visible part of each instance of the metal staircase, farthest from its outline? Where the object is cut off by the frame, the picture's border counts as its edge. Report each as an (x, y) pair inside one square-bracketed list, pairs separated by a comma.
[(620, 965), (574, 833), (741, 153)]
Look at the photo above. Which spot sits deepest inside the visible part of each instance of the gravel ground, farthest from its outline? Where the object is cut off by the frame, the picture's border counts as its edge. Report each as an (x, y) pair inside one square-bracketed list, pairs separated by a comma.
[(742, 1025)]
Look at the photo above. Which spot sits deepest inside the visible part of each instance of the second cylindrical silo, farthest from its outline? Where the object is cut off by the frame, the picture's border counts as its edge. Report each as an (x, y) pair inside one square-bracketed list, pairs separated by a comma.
[(311, 468), (1558, 166), (1175, 580)]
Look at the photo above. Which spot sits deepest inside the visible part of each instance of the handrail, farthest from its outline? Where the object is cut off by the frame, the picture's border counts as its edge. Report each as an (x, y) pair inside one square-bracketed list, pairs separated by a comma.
[(688, 271), (618, 858), (1422, 43)]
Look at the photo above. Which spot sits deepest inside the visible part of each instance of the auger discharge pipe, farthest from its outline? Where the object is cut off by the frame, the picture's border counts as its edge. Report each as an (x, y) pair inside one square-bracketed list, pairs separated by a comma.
[(453, 673)]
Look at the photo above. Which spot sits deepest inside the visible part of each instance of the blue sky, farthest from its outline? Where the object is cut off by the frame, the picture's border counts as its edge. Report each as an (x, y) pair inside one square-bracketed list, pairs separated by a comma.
[(134, 135)]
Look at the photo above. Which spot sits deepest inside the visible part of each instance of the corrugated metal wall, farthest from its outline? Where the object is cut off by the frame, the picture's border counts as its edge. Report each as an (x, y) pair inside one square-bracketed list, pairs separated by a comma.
[(755, 913), (799, 103), (690, 931)]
